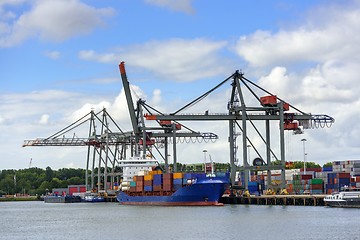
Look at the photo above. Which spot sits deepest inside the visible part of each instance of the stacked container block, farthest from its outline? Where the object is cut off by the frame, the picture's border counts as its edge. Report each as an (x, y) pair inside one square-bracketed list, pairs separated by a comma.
[(157, 182), (336, 181), (177, 181), (167, 182), (139, 183)]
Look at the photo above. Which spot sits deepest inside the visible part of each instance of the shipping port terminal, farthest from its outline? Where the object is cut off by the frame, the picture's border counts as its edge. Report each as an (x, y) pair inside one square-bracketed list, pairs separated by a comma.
[(153, 131)]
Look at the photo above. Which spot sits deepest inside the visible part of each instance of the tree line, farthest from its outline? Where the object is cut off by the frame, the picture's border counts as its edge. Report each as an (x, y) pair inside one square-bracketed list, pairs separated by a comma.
[(34, 180)]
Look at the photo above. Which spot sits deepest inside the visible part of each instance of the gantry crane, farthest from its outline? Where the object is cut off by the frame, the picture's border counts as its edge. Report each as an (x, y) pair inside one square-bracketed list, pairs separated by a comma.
[(105, 148), (146, 137), (272, 108)]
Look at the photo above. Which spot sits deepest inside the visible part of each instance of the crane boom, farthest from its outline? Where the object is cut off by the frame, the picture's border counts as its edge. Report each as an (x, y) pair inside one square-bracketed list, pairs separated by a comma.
[(129, 100)]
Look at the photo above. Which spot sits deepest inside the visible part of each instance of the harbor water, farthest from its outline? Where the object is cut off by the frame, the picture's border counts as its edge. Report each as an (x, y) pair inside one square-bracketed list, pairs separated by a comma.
[(39, 220)]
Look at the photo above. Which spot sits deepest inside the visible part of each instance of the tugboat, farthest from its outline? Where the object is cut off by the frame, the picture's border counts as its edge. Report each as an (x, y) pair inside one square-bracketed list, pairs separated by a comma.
[(347, 198)]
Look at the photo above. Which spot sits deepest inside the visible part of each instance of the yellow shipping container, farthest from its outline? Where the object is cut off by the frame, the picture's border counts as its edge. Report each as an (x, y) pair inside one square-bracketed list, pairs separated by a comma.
[(148, 177), (177, 175), (155, 172)]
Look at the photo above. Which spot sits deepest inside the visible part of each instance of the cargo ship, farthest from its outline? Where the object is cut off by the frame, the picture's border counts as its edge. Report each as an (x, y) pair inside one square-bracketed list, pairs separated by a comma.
[(144, 184)]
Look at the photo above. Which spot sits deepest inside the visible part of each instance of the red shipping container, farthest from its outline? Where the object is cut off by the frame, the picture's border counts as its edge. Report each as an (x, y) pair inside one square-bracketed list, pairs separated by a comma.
[(306, 176), (313, 169), (157, 188), (140, 184), (138, 178), (343, 175), (167, 176), (316, 186), (148, 183), (167, 187)]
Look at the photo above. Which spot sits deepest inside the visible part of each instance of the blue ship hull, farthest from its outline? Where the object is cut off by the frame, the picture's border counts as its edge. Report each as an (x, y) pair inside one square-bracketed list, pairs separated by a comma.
[(203, 192)]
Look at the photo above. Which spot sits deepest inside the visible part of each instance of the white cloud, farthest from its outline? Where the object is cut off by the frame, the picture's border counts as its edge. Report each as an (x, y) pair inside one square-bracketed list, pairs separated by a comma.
[(278, 82), (52, 54), (71, 18), (181, 6), (319, 85), (91, 55), (156, 99), (44, 119), (175, 59), (335, 37)]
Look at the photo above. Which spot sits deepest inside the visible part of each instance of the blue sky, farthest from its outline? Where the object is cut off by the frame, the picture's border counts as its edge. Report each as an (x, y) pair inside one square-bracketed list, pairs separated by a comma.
[(59, 59)]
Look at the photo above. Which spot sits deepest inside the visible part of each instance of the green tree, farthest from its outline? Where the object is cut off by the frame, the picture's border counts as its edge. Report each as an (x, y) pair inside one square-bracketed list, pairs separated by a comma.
[(76, 181), (49, 173), (329, 164), (7, 184), (43, 188)]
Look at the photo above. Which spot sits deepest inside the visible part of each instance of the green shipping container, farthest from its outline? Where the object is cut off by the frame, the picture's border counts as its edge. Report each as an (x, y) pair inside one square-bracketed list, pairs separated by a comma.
[(316, 181)]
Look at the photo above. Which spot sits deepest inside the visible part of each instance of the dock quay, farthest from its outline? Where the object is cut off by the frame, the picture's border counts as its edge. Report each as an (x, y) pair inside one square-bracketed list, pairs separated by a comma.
[(291, 200)]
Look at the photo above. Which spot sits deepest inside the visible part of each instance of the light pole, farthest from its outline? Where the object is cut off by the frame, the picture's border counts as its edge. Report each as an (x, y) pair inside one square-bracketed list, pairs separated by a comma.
[(304, 140), (205, 151), (248, 147)]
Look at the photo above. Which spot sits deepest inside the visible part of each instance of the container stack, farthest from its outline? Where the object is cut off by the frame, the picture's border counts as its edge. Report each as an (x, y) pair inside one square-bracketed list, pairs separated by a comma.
[(139, 183), (322, 175), (355, 168), (167, 182), (177, 180), (350, 166), (132, 186), (316, 186), (336, 181), (157, 182), (301, 183), (148, 182), (355, 181)]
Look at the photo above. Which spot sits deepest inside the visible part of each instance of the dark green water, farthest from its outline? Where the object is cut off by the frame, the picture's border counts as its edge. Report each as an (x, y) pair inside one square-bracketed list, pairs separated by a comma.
[(39, 220)]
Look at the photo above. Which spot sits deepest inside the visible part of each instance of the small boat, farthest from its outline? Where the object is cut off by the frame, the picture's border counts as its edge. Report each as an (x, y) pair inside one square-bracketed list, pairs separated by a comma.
[(93, 198), (347, 198), (61, 199)]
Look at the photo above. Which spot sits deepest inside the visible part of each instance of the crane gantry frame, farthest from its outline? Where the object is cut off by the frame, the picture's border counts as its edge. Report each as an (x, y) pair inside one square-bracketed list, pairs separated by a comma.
[(274, 110)]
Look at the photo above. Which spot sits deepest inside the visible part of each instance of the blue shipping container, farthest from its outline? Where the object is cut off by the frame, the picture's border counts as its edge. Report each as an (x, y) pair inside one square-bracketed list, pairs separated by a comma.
[(177, 181), (148, 188)]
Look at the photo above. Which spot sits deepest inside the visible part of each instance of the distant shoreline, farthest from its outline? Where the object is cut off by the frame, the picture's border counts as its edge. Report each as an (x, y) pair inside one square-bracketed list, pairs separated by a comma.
[(15, 199)]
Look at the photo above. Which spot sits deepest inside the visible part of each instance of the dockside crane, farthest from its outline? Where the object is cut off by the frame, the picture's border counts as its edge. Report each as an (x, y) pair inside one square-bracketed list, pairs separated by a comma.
[(105, 148), (167, 132), (272, 108)]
